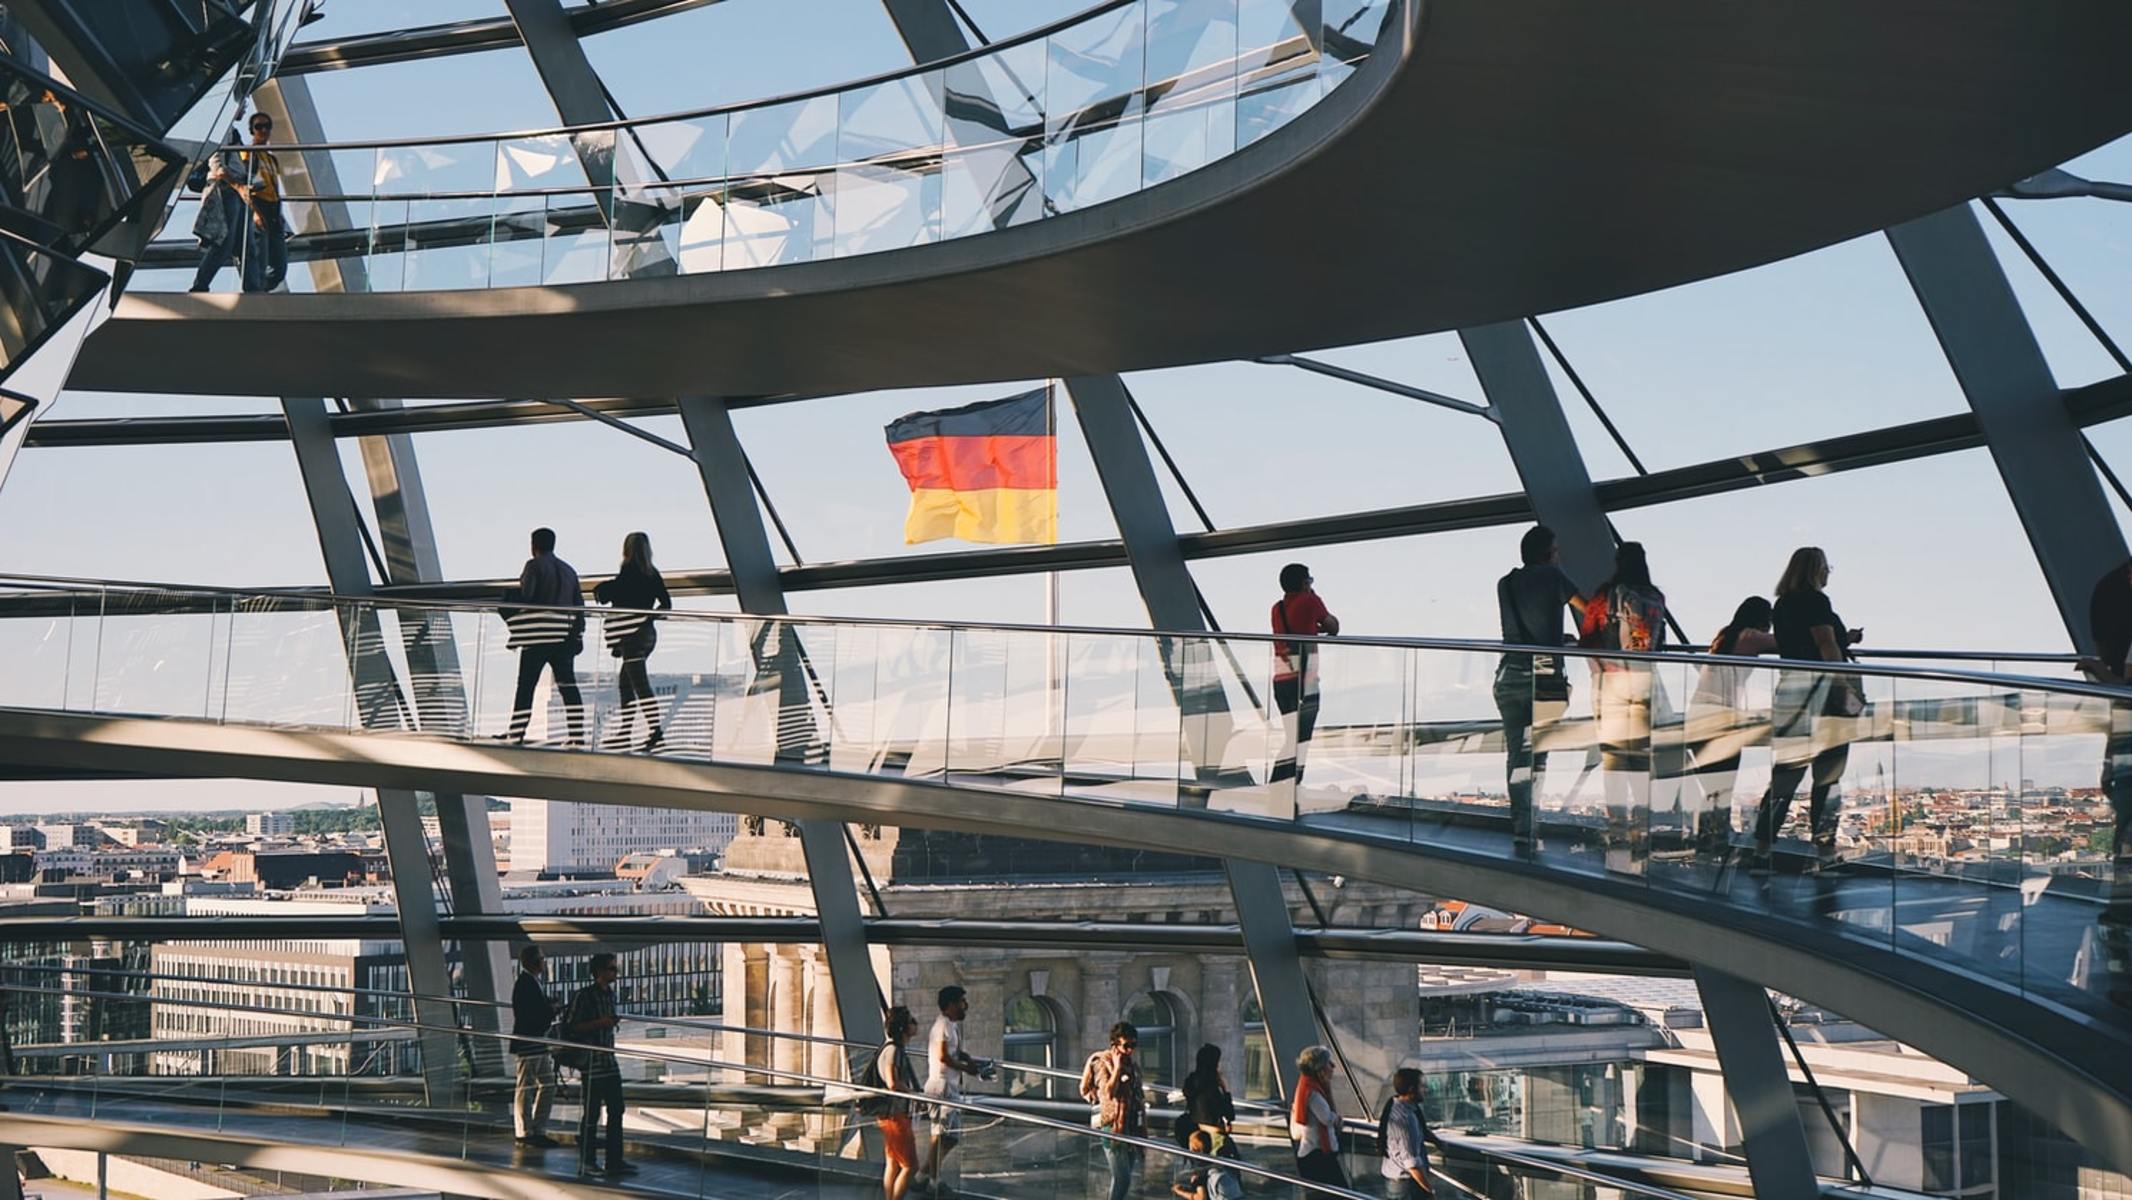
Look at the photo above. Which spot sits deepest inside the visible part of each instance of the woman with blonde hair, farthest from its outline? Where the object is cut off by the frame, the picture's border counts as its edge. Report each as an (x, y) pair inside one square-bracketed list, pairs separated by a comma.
[(1313, 1121), (630, 636), (1808, 629)]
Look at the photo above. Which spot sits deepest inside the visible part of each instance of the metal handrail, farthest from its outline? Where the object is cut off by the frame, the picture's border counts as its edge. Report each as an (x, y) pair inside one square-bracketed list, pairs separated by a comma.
[(1463, 645), (857, 1088)]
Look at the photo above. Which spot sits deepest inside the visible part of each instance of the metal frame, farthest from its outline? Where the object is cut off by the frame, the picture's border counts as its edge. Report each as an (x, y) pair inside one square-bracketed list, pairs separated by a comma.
[(2035, 442), (1745, 1036), (333, 513), (726, 482), (1104, 409)]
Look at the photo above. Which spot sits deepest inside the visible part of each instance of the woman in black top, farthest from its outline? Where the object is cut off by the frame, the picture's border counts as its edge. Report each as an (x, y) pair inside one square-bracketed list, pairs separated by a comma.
[(1807, 628), (1207, 1103), (630, 636)]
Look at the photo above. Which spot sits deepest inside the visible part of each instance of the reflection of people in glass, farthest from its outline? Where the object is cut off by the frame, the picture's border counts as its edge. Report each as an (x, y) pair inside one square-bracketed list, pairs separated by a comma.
[(1717, 719), (630, 636), (1807, 628), (2110, 629), (1627, 612), (1531, 690), (1295, 672)]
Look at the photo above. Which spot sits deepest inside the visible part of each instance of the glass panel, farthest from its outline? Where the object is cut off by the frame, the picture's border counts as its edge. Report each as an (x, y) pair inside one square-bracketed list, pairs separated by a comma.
[(448, 243), (780, 207), (1093, 103), (1276, 66), (994, 133), (888, 194), (1191, 85), (577, 249), (464, 168)]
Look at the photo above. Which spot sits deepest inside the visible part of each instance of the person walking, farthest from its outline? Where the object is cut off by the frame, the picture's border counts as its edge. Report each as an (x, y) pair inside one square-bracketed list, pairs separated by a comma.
[(1313, 1122), (592, 1021), (1111, 1081), (1802, 732), (221, 224), (1209, 1107), (532, 1016), (1717, 720), (1531, 690), (1403, 1140), (630, 636), (892, 1067), (946, 1065), (1295, 669), (1627, 612), (547, 640)]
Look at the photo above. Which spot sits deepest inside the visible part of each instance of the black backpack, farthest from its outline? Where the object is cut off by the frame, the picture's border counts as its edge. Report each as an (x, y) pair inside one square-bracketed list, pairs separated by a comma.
[(878, 1103)]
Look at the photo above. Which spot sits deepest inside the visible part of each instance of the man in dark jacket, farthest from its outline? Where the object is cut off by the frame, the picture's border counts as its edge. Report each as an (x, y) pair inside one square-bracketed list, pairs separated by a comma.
[(532, 1016)]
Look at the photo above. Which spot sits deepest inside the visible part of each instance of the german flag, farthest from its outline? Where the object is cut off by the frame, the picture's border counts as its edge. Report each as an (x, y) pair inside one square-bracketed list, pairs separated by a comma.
[(984, 472)]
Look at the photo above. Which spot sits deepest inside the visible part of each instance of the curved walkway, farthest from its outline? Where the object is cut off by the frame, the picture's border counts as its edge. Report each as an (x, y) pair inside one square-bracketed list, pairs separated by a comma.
[(1512, 159), (2063, 1063)]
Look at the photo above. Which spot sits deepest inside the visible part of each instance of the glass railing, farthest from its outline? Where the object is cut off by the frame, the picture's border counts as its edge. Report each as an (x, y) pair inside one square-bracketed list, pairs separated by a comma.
[(704, 1105), (1957, 817), (1110, 102), (694, 1121)]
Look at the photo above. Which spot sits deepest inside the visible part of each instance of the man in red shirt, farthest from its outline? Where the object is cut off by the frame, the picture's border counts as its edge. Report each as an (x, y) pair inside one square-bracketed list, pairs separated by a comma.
[(1295, 669)]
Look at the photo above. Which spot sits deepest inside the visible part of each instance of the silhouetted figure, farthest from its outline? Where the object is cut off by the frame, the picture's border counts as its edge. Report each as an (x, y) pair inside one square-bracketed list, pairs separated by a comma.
[(592, 1021), (1295, 670), (630, 637), (532, 1016), (2110, 626), (1717, 718), (1531, 690), (1802, 737), (1627, 612), (547, 639)]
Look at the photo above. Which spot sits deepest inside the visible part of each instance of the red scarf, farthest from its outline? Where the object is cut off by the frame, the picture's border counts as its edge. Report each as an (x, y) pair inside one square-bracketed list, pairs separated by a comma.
[(1299, 1112)]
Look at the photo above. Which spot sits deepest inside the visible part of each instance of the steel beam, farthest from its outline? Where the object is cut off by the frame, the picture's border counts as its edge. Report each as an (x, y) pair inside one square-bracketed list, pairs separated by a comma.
[(1778, 1157), (1172, 599), (410, 547), (2033, 437), (928, 29), (724, 467), (334, 514), (1542, 447)]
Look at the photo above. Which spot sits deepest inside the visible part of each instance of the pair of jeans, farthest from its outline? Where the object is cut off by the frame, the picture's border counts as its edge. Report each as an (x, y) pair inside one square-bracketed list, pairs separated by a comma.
[(1798, 725), (535, 1095), (216, 256), (266, 253), (633, 678), (1404, 1188), (603, 1090), (1124, 1158), (1523, 765), (1291, 699), (560, 659)]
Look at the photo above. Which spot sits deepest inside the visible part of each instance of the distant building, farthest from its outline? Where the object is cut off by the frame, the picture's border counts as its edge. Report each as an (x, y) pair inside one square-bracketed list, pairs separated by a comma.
[(270, 824), (557, 837)]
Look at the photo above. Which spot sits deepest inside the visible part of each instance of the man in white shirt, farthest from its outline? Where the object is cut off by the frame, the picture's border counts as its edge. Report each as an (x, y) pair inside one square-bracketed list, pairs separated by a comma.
[(945, 1066)]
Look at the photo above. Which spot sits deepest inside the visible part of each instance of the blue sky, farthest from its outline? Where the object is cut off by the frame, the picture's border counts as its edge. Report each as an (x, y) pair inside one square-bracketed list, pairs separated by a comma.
[(1926, 553)]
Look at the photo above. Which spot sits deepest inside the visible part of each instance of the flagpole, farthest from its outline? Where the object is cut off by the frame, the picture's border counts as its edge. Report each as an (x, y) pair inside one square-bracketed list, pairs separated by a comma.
[(1053, 667)]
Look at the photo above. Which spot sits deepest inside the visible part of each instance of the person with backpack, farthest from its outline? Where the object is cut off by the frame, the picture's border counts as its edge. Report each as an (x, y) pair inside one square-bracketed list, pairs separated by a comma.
[(890, 1071), (1806, 701), (1531, 690), (1403, 1140), (591, 1022), (1295, 667), (1718, 728), (547, 639), (1627, 612)]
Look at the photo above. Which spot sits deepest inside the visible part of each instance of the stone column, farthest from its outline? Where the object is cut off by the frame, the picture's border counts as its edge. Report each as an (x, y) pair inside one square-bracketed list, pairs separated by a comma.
[(826, 1062), (788, 1003)]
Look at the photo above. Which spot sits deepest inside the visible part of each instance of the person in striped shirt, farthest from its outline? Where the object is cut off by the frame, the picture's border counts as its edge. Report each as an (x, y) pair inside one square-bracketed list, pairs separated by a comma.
[(547, 639)]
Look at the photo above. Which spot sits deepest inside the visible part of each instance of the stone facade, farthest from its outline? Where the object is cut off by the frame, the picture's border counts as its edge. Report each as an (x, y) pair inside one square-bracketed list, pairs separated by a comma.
[(1372, 1007)]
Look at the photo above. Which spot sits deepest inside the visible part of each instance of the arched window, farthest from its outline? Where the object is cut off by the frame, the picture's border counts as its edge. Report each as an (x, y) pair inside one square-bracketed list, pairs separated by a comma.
[(1260, 1082), (1031, 1039), (1156, 1019)]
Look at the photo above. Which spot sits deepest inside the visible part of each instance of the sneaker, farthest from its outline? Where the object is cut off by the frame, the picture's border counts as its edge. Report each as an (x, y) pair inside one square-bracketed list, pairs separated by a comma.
[(621, 1170)]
